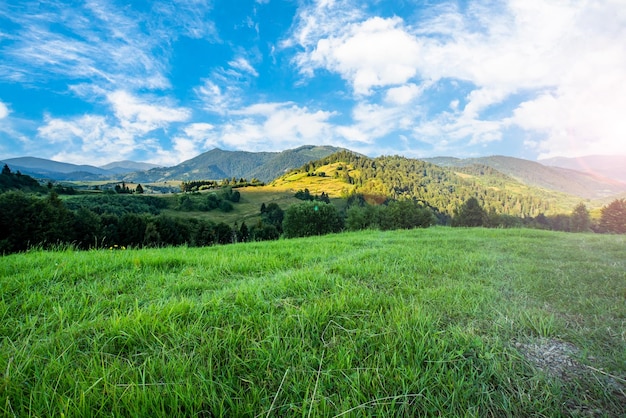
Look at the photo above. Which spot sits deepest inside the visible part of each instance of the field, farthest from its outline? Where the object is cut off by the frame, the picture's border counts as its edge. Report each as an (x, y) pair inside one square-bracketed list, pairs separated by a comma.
[(434, 322)]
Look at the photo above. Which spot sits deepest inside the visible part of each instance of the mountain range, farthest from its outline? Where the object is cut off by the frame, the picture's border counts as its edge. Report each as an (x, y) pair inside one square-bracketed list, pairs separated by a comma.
[(585, 184), (593, 177), (218, 164), (611, 166), (55, 170)]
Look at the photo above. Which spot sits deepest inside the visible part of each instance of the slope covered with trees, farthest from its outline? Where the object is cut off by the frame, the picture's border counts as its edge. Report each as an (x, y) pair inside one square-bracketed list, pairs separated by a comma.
[(442, 188), (17, 181)]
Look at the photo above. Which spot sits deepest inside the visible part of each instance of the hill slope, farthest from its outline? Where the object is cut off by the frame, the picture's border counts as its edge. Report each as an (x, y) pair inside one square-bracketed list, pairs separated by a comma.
[(577, 183), (611, 166), (218, 164), (444, 188)]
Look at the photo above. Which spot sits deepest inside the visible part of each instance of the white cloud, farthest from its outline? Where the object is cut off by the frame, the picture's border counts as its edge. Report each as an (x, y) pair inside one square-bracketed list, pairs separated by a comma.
[(225, 88), (372, 121), (321, 19), (194, 139), (403, 94), (98, 43), (217, 99), (564, 58), (86, 138), (110, 46), (4, 110), (374, 53), (101, 139), (242, 64), (275, 126), (141, 116)]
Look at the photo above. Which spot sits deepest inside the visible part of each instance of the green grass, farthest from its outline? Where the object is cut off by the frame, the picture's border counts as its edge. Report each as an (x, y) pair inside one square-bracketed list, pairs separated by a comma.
[(404, 323)]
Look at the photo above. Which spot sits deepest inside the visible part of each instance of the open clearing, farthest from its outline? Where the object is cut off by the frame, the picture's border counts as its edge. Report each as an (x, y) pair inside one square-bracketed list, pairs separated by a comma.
[(435, 322)]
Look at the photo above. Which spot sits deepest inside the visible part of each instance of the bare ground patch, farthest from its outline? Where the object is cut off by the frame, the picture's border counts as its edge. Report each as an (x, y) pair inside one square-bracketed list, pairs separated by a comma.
[(559, 359)]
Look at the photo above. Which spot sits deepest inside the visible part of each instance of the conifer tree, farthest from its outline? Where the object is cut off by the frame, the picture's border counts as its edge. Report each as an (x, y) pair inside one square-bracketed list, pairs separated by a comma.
[(470, 214)]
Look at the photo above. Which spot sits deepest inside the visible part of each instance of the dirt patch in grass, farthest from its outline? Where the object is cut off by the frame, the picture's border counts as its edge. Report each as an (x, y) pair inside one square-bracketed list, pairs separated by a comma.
[(559, 359), (555, 357)]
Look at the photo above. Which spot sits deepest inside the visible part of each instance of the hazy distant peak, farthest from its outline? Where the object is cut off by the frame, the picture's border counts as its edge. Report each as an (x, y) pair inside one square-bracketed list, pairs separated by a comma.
[(611, 166), (129, 165)]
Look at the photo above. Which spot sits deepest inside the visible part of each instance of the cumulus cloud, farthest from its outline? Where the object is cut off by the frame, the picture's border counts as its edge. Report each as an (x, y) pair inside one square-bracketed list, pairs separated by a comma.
[(558, 67), (102, 139), (141, 116), (374, 53), (403, 94), (276, 126)]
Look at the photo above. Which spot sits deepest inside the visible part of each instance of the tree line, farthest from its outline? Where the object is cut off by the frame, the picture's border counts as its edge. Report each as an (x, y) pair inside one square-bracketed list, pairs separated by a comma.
[(612, 219), (27, 221), (199, 185)]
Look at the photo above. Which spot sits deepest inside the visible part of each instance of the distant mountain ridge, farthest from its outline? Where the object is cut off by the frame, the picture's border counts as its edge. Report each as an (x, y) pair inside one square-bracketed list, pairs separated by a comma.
[(535, 174), (218, 164), (611, 166), (55, 170), (127, 166), (215, 164)]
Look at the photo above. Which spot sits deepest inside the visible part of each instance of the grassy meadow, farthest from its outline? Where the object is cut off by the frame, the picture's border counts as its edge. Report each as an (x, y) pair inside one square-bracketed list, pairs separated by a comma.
[(431, 322)]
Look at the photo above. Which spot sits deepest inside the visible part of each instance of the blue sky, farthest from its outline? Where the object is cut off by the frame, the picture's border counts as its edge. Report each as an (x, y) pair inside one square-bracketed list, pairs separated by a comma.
[(162, 81)]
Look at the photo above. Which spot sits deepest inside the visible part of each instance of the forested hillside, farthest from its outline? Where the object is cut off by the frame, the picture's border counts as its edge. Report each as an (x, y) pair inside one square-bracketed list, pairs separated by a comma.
[(17, 181), (443, 188)]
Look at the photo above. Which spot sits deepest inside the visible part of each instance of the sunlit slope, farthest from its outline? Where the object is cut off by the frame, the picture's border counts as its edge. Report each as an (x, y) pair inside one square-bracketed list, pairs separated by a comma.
[(444, 188)]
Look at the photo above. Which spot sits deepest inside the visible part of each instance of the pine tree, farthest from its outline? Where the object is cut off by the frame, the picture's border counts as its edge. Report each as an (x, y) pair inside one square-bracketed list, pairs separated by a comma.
[(471, 214)]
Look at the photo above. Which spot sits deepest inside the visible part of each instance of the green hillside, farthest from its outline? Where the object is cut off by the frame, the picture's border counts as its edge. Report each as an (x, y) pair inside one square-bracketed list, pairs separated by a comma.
[(435, 322), (443, 188)]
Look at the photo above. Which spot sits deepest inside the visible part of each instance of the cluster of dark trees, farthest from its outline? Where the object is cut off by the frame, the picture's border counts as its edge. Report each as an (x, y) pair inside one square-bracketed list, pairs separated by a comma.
[(306, 195), (221, 199), (397, 214), (197, 185), (124, 189), (319, 218)]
